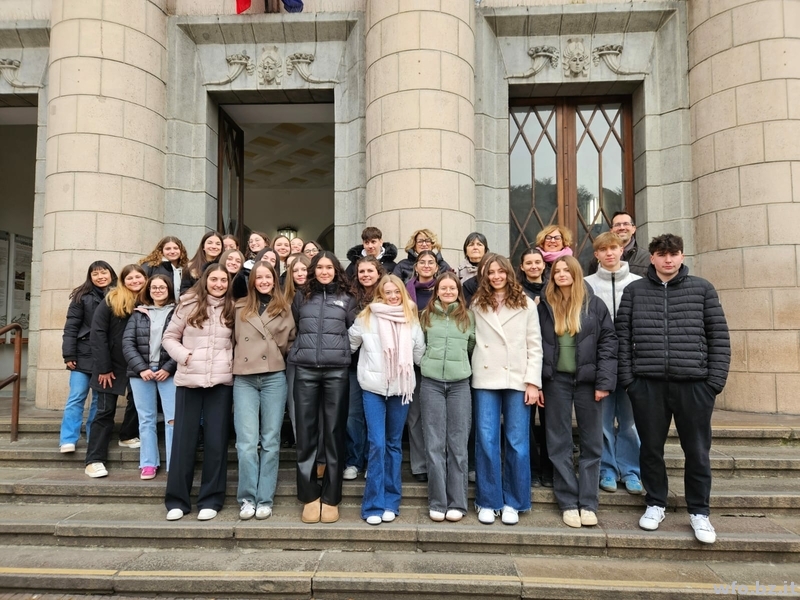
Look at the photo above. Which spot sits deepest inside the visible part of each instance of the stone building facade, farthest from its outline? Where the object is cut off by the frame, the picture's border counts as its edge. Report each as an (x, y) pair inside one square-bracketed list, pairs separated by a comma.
[(424, 95)]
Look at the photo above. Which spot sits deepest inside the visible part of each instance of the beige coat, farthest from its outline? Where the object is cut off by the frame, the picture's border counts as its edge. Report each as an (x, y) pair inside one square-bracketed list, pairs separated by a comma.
[(508, 349), (204, 356), (262, 342)]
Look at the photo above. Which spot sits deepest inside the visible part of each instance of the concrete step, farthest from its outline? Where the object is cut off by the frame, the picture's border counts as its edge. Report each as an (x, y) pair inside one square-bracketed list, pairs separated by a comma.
[(246, 573)]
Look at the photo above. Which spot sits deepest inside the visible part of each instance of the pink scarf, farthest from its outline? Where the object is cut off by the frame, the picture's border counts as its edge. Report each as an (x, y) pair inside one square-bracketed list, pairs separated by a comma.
[(550, 257), (395, 334)]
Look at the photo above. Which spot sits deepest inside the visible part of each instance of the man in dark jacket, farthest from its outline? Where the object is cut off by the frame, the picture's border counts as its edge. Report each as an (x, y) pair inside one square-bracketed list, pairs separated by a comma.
[(674, 354), (372, 245), (638, 259)]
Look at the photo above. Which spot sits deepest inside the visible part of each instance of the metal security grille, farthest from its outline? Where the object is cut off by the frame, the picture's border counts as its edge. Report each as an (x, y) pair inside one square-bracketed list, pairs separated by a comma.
[(571, 163)]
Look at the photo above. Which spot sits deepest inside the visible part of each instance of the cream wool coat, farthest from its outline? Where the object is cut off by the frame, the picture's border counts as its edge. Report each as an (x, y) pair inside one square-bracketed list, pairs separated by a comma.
[(508, 348)]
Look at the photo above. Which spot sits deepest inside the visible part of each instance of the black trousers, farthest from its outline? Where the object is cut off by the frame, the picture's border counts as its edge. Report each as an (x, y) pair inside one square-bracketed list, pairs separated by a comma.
[(328, 388), (655, 403), (212, 405), (103, 426), (541, 467)]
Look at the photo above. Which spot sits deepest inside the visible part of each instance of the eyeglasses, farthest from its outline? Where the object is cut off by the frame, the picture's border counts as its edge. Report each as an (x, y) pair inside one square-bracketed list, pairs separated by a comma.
[(552, 238), (427, 241), (622, 224), (158, 288)]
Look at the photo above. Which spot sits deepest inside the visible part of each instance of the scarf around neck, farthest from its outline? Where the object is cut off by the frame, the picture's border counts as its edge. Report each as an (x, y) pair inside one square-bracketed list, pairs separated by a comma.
[(550, 257), (394, 331)]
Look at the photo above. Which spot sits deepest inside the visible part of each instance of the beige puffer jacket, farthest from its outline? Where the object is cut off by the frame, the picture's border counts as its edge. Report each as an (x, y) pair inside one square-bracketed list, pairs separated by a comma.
[(204, 356)]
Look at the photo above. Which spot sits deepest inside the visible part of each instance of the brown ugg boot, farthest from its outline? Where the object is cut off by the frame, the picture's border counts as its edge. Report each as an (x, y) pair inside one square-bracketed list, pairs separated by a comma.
[(311, 512), (330, 514)]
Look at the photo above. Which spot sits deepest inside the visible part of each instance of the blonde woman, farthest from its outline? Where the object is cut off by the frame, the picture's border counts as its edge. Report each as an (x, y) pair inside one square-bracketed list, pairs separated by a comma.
[(391, 342), (579, 369), (420, 240)]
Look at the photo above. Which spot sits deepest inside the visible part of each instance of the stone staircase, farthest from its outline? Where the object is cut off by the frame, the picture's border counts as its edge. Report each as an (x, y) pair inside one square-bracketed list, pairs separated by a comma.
[(63, 532)]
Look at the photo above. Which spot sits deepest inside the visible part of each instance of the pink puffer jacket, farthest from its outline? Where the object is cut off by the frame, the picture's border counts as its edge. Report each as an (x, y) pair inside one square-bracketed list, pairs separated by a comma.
[(204, 356)]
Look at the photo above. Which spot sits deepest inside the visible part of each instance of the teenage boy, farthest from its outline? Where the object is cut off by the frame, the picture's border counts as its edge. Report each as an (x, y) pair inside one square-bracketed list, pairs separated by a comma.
[(620, 459), (674, 354), (372, 245)]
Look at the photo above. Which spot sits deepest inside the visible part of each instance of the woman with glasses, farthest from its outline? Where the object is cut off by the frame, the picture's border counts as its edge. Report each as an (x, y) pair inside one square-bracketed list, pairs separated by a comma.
[(311, 249), (420, 240), (554, 242)]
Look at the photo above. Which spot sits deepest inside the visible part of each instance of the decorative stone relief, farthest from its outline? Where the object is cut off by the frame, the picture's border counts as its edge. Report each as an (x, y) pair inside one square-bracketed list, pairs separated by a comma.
[(270, 68), (576, 59), (8, 69), (541, 57), (302, 62), (237, 64), (610, 54)]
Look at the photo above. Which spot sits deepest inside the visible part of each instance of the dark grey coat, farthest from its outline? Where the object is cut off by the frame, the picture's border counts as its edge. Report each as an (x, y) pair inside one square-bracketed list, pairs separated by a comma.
[(322, 324), (75, 343)]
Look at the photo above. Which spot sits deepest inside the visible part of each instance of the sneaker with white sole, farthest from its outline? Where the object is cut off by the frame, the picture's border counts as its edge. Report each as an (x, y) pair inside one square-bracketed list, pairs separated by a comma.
[(66, 448), (374, 520), (454, 515), (388, 516), (350, 473), (571, 518), (510, 516), (248, 510), (174, 514), (588, 517), (131, 443), (703, 529), (436, 515), (206, 514), (95, 470), (263, 512), (486, 516), (651, 518)]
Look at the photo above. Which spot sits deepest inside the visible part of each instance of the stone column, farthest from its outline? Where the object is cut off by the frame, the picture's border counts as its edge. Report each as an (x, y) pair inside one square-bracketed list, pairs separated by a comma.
[(105, 154), (420, 120), (744, 86)]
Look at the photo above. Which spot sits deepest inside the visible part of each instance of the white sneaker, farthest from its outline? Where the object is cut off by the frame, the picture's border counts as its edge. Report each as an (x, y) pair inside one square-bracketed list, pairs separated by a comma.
[(131, 443), (651, 518), (571, 518), (388, 516), (374, 520), (703, 529), (486, 516), (248, 511), (350, 473), (263, 512), (471, 476), (436, 515), (454, 515), (510, 516), (206, 514), (174, 514), (588, 517), (95, 470), (66, 448)]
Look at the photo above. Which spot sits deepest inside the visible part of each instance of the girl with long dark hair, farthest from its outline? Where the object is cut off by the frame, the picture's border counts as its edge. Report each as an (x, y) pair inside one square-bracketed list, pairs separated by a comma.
[(208, 252)]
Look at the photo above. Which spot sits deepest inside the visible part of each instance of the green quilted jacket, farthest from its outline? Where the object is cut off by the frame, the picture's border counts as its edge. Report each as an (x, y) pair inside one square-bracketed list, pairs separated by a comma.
[(448, 348)]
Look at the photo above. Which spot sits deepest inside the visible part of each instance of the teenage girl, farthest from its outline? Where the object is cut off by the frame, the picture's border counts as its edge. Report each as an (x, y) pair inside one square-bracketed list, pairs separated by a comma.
[(207, 252)]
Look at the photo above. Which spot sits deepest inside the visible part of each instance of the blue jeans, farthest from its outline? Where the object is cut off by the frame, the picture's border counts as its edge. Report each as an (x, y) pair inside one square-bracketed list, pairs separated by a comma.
[(356, 427), (386, 416), (73, 411), (144, 396), (510, 484), (620, 459), (259, 402)]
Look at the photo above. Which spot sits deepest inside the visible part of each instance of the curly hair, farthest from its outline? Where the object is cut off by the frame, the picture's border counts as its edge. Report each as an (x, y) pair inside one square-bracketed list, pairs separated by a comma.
[(484, 296), (157, 255), (566, 235)]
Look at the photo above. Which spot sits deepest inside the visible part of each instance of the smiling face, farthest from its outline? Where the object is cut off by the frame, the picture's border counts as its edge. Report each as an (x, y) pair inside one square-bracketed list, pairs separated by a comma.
[(212, 247), (256, 243), (172, 252), (475, 251), (134, 281), (623, 226), (498, 278), (533, 267), (392, 294), (426, 268), (283, 247), (422, 242), (233, 263), (101, 278), (310, 250), (324, 271), (159, 292), (265, 282), (299, 273), (270, 257), (296, 245), (367, 275), (561, 274), (554, 241), (447, 292), (217, 284)]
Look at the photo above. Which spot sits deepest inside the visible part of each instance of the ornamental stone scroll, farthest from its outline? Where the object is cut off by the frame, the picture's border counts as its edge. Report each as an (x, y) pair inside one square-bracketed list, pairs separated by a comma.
[(541, 57), (237, 63), (8, 69)]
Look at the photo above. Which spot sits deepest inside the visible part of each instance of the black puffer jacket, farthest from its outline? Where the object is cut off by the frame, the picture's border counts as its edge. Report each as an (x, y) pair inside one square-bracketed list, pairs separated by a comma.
[(387, 259), (322, 324), (75, 344), (595, 345), (405, 268), (166, 268), (674, 330), (106, 340), (136, 344), (638, 260)]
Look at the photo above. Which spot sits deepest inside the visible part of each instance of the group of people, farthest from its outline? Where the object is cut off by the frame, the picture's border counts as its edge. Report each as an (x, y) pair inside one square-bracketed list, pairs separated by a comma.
[(460, 357)]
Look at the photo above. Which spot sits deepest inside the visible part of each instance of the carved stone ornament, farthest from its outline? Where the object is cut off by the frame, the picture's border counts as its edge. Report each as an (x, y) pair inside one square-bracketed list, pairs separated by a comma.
[(8, 69), (576, 59), (610, 54), (237, 63), (270, 68), (301, 63), (541, 57)]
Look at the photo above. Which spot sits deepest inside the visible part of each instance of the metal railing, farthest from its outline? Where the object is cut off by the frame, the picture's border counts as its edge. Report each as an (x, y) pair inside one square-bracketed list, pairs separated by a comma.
[(15, 377)]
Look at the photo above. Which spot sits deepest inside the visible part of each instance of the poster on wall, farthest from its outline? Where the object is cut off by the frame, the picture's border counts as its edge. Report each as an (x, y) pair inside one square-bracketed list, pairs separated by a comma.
[(23, 254), (4, 237)]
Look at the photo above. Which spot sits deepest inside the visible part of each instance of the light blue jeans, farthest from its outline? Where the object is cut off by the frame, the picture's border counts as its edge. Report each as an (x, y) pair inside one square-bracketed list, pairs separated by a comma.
[(620, 459), (73, 411), (146, 400), (507, 482), (258, 406), (386, 416)]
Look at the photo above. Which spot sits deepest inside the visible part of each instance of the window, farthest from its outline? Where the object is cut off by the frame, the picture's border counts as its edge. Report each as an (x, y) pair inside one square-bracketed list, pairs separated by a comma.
[(571, 163)]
